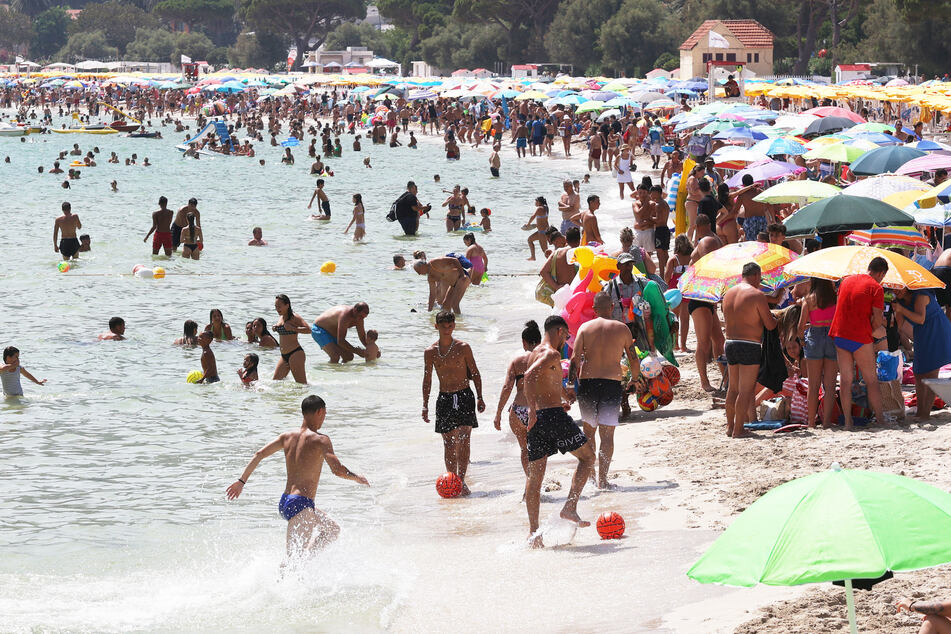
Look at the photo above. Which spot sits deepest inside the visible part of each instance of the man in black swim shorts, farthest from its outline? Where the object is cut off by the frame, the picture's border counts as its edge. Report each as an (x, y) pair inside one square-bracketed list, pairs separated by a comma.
[(456, 405), (66, 227), (746, 313), (550, 429)]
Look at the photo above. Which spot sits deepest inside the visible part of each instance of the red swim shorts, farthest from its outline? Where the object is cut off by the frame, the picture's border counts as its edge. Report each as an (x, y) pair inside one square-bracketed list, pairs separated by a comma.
[(162, 239)]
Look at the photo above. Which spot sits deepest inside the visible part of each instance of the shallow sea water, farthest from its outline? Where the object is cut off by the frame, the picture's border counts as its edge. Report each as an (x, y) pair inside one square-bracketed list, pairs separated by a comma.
[(112, 478)]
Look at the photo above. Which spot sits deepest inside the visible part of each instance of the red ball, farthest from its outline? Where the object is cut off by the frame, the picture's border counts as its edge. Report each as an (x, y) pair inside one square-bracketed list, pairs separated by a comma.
[(610, 525), (666, 398), (448, 485), (658, 385), (672, 374)]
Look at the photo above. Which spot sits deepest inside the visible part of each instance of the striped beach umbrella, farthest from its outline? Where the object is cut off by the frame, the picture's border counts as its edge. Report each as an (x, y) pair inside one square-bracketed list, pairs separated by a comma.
[(889, 237)]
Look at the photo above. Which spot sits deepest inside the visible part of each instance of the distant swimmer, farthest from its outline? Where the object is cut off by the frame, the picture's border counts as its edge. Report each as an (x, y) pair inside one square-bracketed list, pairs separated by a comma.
[(550, 428), (305, 450), (65, 228), (456, 405), (162, 228), (330, 331), (256, 240), (116, 330), (248, 372), (189, 336)]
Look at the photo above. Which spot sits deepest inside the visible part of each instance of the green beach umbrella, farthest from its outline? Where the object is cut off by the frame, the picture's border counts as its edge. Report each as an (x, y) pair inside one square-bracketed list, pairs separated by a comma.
[(835, 152), (590, 106), (797, 192), (884, 159), (872, 126), (844, 213), (837, 525)]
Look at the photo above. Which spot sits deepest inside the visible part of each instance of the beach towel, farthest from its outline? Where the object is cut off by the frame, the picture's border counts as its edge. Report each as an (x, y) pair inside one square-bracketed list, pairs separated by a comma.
[(672, 187)]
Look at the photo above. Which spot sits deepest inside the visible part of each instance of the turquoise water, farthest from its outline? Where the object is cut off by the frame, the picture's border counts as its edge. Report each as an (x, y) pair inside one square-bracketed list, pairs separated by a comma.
[(113, 474)]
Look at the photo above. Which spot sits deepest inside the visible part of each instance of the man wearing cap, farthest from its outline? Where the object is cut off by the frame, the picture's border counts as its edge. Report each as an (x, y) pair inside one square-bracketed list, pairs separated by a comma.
[(181, 221)]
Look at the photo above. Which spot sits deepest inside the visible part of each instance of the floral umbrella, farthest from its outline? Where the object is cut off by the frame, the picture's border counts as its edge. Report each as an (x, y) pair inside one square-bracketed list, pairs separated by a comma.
[(712, 275)]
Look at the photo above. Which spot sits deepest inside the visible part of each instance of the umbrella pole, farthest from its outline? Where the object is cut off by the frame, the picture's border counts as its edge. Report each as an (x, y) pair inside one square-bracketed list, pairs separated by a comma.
[(850, 606)]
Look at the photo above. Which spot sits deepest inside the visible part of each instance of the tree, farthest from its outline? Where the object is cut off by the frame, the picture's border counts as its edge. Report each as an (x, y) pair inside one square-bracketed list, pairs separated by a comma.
[(574, 34), (212, 16), (464, 46), (417, 18), (524, 22), (117, 21), (196, 46), (30, 7), (634, 37), (667, 61), (152, 45), (352, 34), (88, 45), (50, 32), (305, 22), (15, 30)]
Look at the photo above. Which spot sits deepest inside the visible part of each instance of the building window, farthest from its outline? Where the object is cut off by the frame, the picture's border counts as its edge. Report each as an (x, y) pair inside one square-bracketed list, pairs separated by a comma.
[(756, 58), (706, 57), (749, 58), (719, 57), (731, 57)]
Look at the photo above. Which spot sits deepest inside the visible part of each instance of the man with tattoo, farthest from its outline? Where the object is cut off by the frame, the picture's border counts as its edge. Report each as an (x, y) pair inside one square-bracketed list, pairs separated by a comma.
[(937, 615)]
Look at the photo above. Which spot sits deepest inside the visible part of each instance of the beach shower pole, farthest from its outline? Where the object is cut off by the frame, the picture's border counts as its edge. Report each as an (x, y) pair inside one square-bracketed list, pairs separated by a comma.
[(850, 606)]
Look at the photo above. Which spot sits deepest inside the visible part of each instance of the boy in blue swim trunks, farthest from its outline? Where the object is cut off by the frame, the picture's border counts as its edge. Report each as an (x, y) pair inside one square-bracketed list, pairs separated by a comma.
[(305, 450)]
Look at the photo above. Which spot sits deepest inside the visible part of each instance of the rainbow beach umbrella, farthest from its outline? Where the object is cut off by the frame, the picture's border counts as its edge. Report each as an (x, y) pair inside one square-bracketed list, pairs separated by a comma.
[(712, 275), (890, 237)]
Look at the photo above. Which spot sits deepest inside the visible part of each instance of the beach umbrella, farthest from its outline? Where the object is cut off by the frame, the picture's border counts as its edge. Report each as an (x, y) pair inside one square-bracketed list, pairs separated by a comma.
[(571, 100), (878, 138), (590, 106), (884, 185), (710, 277), (531, 95), (924, 164), (762, 172), (884, 159), (938, 194), (828, 124), (796, 192), (720, 125), (645, 96), (835, 263), (872, 126), (781, 145), (607, 114), (930, 146), (890, 237), (844, 213), (746, 135), (901, 200), (836, 525), (599, 95), (732, 157), (618, 102), (833, 111), (939, 216), (835, 152), (661, 104), (683, 92)]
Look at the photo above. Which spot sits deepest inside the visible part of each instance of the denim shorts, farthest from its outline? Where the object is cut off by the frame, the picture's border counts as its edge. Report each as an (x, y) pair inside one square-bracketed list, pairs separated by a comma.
[(819, 345)]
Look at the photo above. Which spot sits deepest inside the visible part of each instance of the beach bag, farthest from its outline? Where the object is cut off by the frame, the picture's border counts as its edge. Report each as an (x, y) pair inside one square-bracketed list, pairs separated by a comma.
[(893, 401), (543, 291), (887, 364), (391, 217)]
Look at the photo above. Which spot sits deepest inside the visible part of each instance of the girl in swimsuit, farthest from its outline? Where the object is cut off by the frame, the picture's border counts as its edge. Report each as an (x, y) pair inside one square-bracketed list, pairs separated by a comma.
[(358, 222), (288, 327), (677, 266), (261, 334), (541, 226), (216, 324), (191, 239), (456, 203), (248, 372), (514, 378)]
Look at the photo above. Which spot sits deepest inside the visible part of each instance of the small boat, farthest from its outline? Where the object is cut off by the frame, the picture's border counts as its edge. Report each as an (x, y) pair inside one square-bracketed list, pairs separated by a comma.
[(144, 135), (12, 130), (124, 126), (86, 130)]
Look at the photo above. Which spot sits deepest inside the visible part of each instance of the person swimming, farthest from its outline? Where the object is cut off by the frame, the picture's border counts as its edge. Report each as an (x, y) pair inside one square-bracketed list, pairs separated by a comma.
[(248, 372)]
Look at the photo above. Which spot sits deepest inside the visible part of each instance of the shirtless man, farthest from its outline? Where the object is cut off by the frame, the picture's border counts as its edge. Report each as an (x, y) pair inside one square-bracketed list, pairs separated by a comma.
[(746, 313), (756, 216), (594, 152), (330, 331), (550, 429), (258, 238), (643, 219), (495, 161), (444, 274), (181, 221), (161, 226), (596, 363), (305, 450), (569, 205), (693, 200), (706, 323), (456, 405), (477, 255), (209, 365), (673, 166), (521, 139), (65, 228), (590, 231), (116, 330), (660, 212)]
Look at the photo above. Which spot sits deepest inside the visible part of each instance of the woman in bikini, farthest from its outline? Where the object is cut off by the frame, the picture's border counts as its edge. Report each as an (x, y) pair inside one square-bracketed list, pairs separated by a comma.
[(358, 222), (515, 378), (540, 218), (456, 204), (677, 266), (216, 324), (192, 239), (727, 229), (288, 327), (262, 336)]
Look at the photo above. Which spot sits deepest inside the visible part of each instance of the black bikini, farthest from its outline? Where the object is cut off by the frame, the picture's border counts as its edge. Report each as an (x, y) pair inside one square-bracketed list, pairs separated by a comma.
[(281, 330)]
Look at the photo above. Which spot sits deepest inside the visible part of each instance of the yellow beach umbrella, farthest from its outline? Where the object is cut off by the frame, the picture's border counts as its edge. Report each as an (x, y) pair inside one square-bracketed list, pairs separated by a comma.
[(835, 263)]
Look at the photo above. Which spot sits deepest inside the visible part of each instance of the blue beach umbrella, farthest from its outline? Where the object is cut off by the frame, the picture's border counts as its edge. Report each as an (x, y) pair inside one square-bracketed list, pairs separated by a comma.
[(773, 147)]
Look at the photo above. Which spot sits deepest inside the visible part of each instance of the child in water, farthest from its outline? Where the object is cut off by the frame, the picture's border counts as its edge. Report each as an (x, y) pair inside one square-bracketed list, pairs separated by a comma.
[(248, 372), (373, 350), (358, 222), (11, 370), (486, 223)]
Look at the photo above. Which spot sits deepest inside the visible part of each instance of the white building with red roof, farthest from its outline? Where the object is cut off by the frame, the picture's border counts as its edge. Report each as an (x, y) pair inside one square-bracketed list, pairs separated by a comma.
[(746, 42)]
